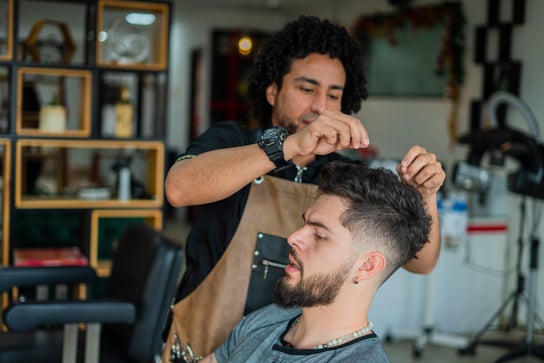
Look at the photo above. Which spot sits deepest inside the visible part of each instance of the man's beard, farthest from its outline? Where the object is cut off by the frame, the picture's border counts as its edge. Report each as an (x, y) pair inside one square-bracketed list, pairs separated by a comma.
[(288, 125), (317, 290)]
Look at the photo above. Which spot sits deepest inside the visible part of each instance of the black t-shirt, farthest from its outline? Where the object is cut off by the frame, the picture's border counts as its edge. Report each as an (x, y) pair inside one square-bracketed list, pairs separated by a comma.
[(214, 224)]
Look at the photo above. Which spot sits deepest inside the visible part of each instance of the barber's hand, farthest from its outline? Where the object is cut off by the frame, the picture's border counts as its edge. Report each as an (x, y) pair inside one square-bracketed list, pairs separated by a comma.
[(330, 131), (420, 169)]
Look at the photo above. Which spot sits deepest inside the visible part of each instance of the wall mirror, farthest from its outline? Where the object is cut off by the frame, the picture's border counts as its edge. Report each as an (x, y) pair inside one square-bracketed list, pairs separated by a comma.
[(415, 51)]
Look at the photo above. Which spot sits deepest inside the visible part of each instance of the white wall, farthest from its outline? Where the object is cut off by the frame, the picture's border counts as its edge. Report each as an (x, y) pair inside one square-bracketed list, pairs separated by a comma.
[(191, 29), (394, 125)]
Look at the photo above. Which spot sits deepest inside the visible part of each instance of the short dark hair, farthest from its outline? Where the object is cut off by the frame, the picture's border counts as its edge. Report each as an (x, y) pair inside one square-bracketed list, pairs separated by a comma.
[(298, 39), (381, 208)]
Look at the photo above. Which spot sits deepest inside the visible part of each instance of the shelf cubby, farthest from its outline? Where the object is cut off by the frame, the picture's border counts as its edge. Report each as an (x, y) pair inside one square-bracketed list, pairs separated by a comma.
[(41, 92), (77, 174)]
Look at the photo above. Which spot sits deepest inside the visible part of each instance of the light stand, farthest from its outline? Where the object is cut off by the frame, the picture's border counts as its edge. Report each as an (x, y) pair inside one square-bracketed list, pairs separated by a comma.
[(526, 348), (520, 281)]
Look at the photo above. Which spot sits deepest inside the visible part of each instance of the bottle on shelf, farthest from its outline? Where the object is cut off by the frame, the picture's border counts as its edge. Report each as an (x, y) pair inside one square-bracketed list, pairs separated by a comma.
[(123, 189), (124, 114), (124, 177)]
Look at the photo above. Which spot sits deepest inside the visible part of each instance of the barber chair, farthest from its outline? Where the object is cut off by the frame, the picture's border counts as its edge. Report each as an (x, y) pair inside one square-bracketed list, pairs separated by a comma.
[(124, 325)]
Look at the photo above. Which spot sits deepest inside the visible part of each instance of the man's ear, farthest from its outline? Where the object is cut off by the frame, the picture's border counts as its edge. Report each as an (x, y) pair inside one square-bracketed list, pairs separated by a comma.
[(371, 264), (271, 93)]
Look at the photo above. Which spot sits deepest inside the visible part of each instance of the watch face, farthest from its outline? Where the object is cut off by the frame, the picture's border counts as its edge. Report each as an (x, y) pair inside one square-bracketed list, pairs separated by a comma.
[(269, 133)]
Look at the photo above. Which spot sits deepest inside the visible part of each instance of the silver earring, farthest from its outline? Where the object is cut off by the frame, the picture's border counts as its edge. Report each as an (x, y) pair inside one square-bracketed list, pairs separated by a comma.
[(355, 281)]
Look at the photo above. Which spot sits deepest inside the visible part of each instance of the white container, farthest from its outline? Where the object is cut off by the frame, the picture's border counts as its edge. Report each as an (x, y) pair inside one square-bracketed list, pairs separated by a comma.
[(123, 189), (53, 118)]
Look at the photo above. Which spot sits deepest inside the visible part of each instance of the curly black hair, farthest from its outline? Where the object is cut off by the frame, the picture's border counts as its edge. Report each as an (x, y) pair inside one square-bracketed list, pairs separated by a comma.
[(298, 39)]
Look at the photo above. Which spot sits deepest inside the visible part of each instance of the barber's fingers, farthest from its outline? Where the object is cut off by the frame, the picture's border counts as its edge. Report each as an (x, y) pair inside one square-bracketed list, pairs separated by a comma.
[(411, 155), (414, 160), (328, 132), (344, 130), (420, 169), (430, 185)]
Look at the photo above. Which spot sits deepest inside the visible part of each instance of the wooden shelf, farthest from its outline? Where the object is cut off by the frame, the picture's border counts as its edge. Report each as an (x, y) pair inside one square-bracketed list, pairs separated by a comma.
[(6, 14), (59, 154), (5, 157)]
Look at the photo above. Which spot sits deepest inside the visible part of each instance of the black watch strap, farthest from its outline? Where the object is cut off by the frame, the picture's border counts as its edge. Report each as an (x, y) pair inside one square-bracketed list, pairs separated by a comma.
[(271, 142)]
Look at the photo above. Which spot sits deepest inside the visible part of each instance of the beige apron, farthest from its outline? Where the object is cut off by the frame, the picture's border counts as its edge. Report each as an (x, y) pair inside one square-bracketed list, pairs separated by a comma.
[(206, 316)]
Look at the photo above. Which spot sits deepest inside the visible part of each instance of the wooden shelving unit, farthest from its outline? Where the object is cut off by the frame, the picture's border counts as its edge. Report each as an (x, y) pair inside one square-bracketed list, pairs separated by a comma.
[(5, 168), (64, 53)]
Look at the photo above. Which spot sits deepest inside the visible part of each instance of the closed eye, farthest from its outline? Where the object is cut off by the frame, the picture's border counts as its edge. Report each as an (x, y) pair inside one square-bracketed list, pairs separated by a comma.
[(317, 227), (319, 237)]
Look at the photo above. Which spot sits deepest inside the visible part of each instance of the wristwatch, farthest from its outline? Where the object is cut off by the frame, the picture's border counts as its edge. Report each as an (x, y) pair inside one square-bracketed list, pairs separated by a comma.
[(271, 142)]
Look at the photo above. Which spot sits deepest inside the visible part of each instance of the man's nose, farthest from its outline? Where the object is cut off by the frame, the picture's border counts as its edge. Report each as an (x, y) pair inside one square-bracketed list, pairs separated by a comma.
[(297, 240), (319, 104)]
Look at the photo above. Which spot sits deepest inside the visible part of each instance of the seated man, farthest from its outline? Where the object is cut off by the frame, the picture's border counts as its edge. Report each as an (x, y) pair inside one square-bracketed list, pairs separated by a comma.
[(364, 225)]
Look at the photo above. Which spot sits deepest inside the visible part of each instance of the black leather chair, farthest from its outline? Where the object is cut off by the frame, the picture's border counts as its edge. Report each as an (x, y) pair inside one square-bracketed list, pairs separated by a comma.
[(124, 325)]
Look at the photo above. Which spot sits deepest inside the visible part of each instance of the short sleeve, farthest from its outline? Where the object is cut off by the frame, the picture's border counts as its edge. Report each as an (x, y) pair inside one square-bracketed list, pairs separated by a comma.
[(219, 136)]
